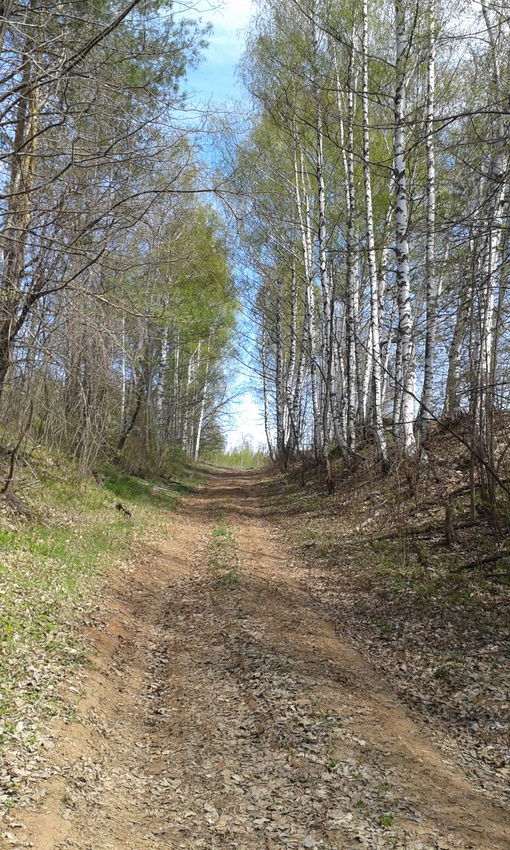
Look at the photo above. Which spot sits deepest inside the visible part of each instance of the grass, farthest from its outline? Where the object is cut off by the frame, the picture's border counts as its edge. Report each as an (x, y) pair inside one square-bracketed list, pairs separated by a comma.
[(222, 558), (52, 571), (156, 493)]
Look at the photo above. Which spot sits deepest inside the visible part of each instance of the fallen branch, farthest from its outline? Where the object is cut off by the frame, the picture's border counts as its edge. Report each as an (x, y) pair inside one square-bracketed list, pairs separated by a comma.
[(18, 505), (488, 559), (436, 528)]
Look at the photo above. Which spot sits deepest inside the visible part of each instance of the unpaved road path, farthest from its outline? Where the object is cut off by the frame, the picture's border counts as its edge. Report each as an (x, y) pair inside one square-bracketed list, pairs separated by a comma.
[(229, 714)]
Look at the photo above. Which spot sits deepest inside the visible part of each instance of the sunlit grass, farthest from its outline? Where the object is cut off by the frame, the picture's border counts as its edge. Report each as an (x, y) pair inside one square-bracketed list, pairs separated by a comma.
[(222, 556), (52, 572)]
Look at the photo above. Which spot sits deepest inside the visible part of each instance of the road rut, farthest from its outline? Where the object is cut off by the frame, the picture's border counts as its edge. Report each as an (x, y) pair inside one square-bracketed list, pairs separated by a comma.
[(227, 713)]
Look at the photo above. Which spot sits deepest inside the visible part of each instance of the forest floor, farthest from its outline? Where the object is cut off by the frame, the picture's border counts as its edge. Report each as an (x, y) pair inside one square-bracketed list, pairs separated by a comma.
[(228, 707)]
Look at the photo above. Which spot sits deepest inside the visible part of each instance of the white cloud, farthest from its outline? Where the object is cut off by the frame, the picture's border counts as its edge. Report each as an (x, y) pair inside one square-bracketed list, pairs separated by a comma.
[(233, 15), (228, 22), (216, 75)]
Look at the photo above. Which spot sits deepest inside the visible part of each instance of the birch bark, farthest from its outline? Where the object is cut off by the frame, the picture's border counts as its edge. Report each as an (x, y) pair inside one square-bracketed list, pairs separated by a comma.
[(351, 366), (305, 228), (292, 379), (495, 190), (280, 394), (201, 416), (374, 343), (123, 368), (405, 415), (350, 370), (160, 385), (176, 388), (265, 392), (432, 281), (325, 279), (452, 407), (343, 410)]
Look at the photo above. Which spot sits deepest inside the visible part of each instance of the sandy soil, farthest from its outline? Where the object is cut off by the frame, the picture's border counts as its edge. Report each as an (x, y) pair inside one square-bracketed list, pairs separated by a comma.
[(229, 714)]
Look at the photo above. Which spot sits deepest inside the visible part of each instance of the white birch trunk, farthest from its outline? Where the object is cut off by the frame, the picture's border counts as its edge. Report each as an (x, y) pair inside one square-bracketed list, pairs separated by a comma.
[(495, 190), (386, 323), (341, 405), (186, 419), (201, 417), (326, 282), (351, 327), (176, 390), (305, 229), (374, 360), (160, 385), (280, 394), (432, 287), (123, 373), (265, 392), (291, 383), (189, 419), (405, 415)]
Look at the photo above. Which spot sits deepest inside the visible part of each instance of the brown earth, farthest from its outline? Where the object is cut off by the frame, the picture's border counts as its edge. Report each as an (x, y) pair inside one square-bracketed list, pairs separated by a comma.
[(223, 711)]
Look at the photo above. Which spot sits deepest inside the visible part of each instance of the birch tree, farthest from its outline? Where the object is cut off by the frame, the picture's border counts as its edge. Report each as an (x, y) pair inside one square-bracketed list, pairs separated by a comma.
[(432, 286), (375, 364), (370, 309), (405, 370)]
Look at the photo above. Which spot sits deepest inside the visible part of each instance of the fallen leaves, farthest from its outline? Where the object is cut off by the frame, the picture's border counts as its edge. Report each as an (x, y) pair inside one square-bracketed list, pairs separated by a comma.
[(443, 642), (225, 719)]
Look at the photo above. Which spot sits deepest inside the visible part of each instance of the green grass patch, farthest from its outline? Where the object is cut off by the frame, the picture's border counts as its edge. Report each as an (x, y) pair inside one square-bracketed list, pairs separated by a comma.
[(49, 574), (223, 559), (218, 512), (52, 571), (145, 494)]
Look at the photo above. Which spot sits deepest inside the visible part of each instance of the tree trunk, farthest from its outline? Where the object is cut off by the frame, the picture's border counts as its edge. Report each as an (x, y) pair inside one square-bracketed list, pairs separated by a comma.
[(405, 415), (305, 230), (16, 228), (160, 385), (351, 284), (374, 365), (432, 286)]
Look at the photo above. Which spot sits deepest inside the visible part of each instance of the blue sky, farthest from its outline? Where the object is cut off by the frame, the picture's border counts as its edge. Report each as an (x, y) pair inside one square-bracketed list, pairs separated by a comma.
[(215, 78), (215, 81)]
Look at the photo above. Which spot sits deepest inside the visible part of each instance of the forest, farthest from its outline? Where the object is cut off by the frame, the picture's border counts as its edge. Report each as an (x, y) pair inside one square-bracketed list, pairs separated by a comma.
[(117, 295), (372, 197), (301, 645), (355, 212)]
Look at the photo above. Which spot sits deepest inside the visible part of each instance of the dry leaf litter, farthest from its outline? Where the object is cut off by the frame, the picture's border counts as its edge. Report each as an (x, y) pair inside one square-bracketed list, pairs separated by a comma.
[(230, 716)]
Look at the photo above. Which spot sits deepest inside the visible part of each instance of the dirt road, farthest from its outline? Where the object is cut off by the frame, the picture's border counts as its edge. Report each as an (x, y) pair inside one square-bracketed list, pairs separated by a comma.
[(223, 711)]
